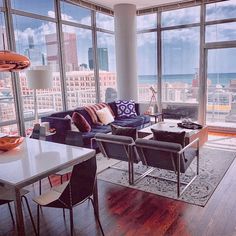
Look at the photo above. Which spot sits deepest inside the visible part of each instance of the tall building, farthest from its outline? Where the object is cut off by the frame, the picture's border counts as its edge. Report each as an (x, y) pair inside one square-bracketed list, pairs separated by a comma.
[(70, 50), (102, 59), (34, 53)]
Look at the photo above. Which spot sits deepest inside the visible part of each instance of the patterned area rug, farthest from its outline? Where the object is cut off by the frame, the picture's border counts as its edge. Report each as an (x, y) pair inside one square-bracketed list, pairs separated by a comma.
[(214, 163)]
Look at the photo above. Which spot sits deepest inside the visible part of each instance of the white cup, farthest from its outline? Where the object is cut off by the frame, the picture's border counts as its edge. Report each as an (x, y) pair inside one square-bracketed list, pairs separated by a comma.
[(46, 125)]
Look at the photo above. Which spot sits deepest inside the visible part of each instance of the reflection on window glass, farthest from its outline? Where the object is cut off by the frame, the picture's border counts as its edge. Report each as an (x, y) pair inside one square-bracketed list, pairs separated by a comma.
[(43, 7), (183, 16), (180, 66), (80, 81), (147, 21), (147, 65), (1, 3), (221, 87), (221, 10), (37, 40), (74, 13), (104, 21), (221, 32), (106, 63)]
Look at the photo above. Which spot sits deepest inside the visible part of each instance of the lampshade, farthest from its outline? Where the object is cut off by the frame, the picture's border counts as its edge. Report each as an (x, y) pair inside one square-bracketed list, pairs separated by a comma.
[(10, 61), (39, 78)]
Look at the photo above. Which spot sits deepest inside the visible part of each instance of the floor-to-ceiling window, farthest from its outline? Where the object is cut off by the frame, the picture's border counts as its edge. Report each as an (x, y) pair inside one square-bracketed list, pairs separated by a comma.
[(147, 56), (180, 37), (77, 44), (7, 101), (105, 54), (221, 64)]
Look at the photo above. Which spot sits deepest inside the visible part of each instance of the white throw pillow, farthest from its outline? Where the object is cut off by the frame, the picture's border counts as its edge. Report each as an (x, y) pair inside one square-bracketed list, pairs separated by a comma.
[(73, 127), (105, 116)]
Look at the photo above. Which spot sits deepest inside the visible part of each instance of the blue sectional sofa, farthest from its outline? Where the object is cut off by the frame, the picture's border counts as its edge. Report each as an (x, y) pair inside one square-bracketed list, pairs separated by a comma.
[(63, 125)]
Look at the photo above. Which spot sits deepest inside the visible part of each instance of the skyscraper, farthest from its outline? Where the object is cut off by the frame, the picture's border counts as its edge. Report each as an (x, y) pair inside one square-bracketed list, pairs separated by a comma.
[(102, 59), (70, 50), (34, 53)]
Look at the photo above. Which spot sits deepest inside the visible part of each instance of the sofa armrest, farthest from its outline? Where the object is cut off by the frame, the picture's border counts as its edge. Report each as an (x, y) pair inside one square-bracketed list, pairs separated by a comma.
[(74, 138), (60, 124)]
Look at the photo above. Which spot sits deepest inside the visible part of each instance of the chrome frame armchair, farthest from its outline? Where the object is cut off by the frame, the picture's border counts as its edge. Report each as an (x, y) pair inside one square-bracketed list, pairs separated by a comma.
[(120, 148), (169, 156)]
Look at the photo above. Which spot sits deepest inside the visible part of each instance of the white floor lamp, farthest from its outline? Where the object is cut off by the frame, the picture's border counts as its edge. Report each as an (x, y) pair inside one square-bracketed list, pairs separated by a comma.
[(39, 77)]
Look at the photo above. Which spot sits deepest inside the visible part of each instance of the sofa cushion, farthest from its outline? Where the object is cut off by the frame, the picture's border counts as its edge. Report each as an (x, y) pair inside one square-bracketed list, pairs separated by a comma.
[(73, 126), (125, 108), (124, 131), (172, 137), (137, 121), (101, 128), (80, 122), (105, 116)]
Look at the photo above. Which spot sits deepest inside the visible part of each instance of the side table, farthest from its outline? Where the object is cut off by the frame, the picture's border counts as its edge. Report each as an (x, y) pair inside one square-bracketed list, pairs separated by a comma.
[(157, 115)]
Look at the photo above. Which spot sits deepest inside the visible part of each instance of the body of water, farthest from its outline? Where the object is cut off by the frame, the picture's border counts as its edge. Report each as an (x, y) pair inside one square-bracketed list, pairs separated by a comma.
[(222, 78)]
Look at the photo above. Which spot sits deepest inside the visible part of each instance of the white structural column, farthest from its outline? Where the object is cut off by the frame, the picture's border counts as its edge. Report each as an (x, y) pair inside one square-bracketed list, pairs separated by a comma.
[(126, 55)]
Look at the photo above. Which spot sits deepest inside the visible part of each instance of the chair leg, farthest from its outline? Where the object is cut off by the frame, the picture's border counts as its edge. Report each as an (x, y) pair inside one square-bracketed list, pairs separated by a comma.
[(9, 206), (61, 179), (97, 217), (50, 182), (71, 222), (30, 214), (40, 187), (38, 219), (178, 176)]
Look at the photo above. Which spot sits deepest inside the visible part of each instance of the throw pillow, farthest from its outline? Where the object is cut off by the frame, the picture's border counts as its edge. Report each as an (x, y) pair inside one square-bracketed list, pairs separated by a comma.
[(92, 111), (166, 136), (125, 108), (80, 122), (73, 127), (105, 116), (124, 131)]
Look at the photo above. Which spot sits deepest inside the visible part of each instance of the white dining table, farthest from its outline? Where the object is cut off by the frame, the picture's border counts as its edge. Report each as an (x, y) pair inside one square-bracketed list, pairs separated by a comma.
[(34, 160)]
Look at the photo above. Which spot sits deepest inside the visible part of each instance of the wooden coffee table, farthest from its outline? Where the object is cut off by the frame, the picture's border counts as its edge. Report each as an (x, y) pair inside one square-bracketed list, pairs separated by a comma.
[(202, 134)]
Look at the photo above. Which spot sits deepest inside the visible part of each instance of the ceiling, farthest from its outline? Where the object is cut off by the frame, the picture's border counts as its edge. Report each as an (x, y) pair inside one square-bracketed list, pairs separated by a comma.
[(140, 4)]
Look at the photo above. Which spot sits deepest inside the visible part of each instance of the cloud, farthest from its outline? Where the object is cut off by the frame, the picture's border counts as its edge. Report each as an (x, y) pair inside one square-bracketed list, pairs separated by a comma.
[(147, 21), (105, 21)]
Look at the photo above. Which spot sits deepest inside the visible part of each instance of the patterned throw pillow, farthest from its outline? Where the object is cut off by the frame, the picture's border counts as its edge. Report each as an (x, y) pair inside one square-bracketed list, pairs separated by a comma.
[(80, 122), (125, 108)]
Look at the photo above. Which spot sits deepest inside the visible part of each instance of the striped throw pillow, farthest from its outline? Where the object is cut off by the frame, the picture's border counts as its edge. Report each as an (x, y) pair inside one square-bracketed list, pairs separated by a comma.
[(92, 111)]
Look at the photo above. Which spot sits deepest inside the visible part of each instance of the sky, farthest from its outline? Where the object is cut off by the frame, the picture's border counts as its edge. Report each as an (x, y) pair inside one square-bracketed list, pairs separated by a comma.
[(180, 47)]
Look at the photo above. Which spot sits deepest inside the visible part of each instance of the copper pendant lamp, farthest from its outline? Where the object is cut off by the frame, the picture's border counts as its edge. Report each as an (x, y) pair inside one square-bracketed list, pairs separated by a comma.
[(11, 61)]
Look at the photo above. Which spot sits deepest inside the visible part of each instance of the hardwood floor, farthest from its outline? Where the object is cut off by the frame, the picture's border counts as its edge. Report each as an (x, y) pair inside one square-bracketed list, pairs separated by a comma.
[(125, 211)]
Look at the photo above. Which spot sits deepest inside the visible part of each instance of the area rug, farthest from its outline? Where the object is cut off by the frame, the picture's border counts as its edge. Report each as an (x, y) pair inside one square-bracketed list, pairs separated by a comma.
[(214, 164)]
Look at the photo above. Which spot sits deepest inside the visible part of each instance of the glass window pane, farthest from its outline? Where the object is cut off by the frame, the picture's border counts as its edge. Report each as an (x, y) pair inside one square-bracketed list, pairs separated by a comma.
[(80, 81), (37, 39), (74, 13), (180, 66), (7, 103), (104, 21), (107, 66), (9, 129), (147, 21), (42, 7), (221, 84), (221, 32), (147, 65), (183, 16), (221, 10)]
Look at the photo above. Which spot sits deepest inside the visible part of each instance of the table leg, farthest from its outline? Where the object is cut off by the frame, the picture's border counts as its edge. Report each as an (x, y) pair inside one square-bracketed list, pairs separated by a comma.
[(19, 213), (95, 197)]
